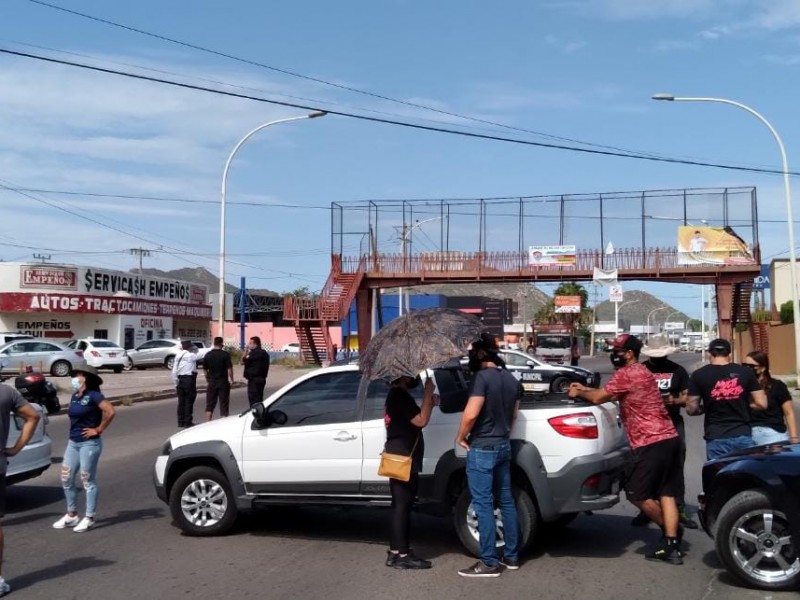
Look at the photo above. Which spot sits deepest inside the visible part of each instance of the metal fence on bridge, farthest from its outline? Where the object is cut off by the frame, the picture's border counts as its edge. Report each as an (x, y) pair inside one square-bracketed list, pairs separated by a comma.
[(458, 230)]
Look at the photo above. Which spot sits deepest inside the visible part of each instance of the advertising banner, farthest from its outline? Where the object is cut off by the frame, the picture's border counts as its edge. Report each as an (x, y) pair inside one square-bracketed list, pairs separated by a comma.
[(567, 304), (615, 293), (547, 256), (762, 281), (712, 246)]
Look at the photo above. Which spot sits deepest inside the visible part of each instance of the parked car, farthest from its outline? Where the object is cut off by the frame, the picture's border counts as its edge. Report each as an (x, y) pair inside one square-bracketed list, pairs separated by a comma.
[(751, 507), (538, 377), (34, 458), (161, 353), (101, 354), (317, 441), (9, 336), (44, 356), (291, 347)]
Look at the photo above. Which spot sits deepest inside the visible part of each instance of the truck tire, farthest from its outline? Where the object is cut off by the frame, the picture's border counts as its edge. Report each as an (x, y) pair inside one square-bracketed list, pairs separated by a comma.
[(466, 524), (749, 525), (201, 502)]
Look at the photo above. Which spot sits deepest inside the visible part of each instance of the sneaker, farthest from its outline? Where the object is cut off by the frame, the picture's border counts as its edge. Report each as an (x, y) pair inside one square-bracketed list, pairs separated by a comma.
[(66, 521), (512, 564), (481, 569), (668, 553), (391, 557), (85, 524), (686, 520), (4, 587), (640, 520), (409, 561)]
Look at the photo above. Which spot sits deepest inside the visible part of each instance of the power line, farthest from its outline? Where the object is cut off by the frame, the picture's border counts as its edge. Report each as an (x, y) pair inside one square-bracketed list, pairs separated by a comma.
[(322, 81), (416, 126)]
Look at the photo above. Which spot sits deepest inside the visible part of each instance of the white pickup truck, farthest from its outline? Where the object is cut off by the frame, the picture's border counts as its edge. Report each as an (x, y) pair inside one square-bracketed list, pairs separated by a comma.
[(317, 441)]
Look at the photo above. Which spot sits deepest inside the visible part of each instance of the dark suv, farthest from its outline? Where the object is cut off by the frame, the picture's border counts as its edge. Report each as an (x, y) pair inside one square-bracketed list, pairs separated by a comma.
[(751, 507)]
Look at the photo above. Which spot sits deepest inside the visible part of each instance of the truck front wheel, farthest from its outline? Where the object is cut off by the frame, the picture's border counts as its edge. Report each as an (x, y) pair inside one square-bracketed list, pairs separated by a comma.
[(466, 521), (201, 502)]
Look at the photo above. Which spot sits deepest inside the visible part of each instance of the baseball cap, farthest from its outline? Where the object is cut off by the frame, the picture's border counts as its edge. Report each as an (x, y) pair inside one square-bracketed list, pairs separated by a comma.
[(625, 341), (720, 346)]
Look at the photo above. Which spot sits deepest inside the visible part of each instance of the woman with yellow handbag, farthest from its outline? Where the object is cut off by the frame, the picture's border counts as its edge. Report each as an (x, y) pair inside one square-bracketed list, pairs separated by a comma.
[(402, 462)]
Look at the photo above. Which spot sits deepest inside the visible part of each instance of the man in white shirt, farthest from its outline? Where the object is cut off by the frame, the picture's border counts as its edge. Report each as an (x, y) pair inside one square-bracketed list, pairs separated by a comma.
[(184, 376)]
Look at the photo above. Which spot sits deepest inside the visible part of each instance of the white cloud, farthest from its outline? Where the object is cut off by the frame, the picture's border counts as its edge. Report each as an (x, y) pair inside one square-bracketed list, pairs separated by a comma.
[(565, 46)]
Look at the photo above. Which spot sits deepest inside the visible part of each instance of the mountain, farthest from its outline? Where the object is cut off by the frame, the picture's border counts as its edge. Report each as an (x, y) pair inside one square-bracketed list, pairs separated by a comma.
[(641, 305), (203, 276)]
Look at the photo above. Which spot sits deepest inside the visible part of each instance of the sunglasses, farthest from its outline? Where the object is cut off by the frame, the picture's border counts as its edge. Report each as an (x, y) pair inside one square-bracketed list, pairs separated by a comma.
[(752, 366)]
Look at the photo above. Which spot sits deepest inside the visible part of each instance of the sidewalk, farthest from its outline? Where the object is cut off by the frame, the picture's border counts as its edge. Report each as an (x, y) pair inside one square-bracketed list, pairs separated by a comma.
[(156, 383)]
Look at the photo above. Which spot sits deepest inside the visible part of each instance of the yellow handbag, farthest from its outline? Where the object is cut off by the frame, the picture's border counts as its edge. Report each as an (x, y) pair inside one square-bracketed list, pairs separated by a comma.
[(396, 466)]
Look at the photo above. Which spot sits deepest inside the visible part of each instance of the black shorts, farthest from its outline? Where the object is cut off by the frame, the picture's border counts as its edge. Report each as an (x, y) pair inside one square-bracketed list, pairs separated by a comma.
[(654, 471)]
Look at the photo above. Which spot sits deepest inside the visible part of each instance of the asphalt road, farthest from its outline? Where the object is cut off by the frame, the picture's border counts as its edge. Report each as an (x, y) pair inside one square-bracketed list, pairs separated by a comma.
[(136, 553)]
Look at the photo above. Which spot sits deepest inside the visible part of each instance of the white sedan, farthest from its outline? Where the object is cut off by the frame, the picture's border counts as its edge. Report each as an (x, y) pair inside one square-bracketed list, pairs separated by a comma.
[(291, 347), (101, 354)]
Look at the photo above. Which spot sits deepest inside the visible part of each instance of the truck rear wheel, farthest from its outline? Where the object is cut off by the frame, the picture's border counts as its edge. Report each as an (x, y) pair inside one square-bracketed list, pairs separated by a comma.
[(466, 521)]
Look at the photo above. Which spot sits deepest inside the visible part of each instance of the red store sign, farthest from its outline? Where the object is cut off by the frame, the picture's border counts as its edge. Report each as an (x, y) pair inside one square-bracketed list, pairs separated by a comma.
[(26, 302)]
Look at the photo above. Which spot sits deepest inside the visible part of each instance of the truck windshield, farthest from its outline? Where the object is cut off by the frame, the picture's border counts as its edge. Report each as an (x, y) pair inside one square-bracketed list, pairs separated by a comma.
[(554, 341)]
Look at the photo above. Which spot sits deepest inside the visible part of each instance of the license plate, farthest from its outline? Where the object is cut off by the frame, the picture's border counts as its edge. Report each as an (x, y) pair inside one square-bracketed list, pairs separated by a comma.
[(112, 354)]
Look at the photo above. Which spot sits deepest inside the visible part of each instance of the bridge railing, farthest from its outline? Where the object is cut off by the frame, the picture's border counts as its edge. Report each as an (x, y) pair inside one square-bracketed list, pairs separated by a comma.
[(516, 262)]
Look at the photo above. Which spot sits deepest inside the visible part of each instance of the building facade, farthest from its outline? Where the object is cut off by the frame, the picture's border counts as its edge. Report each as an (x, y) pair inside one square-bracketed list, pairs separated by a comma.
[(69, 301)]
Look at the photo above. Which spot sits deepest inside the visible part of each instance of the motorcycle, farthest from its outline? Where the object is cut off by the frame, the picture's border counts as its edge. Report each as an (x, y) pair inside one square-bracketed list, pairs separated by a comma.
[(34, 387)]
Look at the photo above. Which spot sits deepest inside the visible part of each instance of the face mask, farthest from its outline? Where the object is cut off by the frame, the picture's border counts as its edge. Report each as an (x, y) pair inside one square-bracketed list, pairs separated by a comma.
[(251, 346), (751, 367), (618, 360), (76, 383)]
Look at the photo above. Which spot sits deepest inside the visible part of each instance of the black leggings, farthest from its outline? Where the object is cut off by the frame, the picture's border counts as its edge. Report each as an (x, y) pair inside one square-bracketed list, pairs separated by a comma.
[(403, 495)]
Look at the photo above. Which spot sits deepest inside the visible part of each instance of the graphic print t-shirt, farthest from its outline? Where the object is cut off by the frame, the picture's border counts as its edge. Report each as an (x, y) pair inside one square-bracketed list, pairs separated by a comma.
[(672, 379), (725, 393), (641, 407)]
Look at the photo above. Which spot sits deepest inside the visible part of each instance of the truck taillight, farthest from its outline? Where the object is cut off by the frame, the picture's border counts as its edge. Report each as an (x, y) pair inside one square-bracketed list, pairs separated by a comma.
[(576, 425)]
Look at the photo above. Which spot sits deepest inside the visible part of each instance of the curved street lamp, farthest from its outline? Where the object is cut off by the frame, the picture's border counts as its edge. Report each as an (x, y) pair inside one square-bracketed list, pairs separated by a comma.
[(221, 300), (788, 200), (403, 245), (617, 308), (651, 313)]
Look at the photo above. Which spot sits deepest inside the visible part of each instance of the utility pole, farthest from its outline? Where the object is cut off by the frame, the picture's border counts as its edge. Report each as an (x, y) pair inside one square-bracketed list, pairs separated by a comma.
[(43, 258), (141, 253)]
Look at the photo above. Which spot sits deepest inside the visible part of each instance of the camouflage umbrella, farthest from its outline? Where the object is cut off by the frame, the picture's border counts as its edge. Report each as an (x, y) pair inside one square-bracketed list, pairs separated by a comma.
[(417, 341)]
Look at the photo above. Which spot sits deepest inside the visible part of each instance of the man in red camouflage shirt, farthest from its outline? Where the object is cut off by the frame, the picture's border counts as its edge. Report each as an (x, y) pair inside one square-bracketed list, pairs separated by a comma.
[(653, 477)]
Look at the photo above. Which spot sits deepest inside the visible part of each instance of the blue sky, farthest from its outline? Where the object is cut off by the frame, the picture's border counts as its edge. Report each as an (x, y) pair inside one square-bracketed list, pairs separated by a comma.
[(580, 69)]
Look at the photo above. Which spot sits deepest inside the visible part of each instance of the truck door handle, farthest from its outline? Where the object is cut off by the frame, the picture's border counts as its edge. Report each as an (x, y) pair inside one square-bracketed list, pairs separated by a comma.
[(345, 436)]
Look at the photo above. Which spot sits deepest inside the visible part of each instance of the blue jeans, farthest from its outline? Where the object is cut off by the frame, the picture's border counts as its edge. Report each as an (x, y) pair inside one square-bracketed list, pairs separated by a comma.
[(83, 456), (489, 477), (767, 435), (721, 447)]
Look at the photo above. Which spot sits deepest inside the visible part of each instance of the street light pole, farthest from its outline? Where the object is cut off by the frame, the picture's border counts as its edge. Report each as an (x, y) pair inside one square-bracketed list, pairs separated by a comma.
[(651, 313), (221, 299), (617, 308), (403, 249), (674, 312), (788, 200)]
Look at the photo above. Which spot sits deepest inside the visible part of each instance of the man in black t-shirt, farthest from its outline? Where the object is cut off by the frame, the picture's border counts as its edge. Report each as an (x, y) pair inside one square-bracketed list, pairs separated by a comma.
[(218, 368), (673, 383), (727, 391), (256, 369), (487, 420)]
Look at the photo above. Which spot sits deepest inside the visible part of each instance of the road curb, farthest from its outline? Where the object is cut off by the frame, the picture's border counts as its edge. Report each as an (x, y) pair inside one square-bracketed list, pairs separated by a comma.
[(152, 395)]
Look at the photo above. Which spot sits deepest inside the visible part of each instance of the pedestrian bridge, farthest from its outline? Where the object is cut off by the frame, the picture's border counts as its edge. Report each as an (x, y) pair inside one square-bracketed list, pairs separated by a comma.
[(600, 226)]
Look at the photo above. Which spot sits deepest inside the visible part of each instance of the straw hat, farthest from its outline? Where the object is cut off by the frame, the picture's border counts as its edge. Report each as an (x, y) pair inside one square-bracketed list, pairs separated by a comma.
[(657, 347)]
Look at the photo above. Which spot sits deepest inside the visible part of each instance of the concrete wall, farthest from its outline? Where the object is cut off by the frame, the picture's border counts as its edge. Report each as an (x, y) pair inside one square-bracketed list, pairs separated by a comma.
[(781, 348), (271, 337)]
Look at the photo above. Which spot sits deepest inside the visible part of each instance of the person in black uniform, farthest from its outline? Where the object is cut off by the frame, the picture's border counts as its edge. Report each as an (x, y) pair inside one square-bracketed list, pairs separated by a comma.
[(404, 422), (219, 377), (256, 369)]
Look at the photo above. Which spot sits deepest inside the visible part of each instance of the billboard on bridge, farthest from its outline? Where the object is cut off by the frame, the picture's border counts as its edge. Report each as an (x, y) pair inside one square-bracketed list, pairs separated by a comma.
[(712, 246)]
